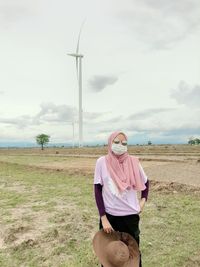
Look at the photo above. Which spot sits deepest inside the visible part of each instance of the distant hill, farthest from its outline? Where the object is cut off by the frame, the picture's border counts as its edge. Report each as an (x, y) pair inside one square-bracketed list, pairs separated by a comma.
[(29, 144)]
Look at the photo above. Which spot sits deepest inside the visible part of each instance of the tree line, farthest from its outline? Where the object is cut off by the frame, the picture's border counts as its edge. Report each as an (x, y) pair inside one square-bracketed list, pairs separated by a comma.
[(194, 141), (43, 139)]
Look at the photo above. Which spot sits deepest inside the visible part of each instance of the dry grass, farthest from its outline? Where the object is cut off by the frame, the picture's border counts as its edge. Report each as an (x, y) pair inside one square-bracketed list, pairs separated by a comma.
[(48, 215), (170, 150)]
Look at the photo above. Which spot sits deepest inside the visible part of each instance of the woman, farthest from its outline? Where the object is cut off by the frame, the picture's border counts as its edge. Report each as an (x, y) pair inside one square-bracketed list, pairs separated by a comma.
[(118, 177)]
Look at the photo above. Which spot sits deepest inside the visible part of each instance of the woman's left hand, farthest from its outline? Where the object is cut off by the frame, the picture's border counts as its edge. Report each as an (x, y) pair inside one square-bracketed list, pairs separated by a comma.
[(142, 204)]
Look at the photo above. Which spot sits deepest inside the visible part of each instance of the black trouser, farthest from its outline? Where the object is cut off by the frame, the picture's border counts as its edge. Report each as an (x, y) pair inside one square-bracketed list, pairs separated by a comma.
[(128, 224)]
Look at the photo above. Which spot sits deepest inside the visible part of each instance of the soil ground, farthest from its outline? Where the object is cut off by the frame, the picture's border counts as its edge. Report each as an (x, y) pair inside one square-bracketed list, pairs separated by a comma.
[(48, 216)]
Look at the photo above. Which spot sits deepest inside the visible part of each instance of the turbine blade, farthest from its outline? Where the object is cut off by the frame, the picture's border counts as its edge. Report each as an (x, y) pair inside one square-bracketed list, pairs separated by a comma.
[(72, 55), (77, 48)]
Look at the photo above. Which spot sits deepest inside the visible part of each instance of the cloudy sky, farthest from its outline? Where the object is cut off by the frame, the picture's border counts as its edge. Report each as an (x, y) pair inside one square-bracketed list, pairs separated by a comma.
[(141, 69)]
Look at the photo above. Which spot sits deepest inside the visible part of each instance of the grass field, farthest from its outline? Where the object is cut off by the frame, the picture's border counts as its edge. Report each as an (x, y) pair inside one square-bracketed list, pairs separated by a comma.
[(48, 217)]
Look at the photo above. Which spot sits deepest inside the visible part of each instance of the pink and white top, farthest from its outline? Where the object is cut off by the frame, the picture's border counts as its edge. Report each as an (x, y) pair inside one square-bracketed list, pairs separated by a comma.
[(116, 203)]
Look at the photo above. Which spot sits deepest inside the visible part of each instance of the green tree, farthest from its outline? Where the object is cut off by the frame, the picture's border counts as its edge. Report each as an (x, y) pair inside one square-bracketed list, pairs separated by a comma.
[(194, 141), (191, 141), (197, 141), (149, 143), (42, 139)]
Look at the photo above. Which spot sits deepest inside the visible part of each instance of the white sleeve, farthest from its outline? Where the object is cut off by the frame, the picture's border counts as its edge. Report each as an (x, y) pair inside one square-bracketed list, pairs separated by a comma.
[(142, 173), (97, 173)]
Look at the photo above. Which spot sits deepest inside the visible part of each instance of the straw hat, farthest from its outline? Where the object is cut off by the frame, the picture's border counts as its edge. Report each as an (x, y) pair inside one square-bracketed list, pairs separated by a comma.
[(117, 249)]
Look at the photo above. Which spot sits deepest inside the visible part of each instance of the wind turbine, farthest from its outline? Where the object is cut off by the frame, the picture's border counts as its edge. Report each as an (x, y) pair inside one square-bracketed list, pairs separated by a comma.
[(78, 58)]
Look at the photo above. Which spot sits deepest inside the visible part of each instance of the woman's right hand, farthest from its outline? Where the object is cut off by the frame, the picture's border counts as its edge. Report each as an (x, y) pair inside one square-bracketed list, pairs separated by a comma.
[(106, 225)]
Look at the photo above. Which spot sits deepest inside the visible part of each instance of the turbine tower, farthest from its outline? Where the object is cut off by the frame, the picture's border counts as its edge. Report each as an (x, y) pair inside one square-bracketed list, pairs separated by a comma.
[(78, 58)]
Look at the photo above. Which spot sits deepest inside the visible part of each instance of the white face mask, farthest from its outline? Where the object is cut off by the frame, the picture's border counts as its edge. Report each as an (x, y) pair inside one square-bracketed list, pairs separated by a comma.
[(118, 149)]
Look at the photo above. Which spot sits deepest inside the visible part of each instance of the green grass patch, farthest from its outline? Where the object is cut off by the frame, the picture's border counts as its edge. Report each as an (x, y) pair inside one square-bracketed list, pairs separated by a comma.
[(49, 219)]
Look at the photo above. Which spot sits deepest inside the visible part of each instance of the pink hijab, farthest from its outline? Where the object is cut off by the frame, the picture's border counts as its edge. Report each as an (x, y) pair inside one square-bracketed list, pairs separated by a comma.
[(123, 169)]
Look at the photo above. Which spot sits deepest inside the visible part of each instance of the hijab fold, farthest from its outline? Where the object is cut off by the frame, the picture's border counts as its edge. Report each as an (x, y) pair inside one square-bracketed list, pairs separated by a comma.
[(123, 169)]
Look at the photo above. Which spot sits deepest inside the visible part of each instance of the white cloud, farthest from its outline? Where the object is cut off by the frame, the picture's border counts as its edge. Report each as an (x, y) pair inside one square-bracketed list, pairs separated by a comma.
[(161, 24), (163, 124), (56, 113), (12, 11), (99, 82), (149, 113), (36, 37), (91, 116), (50, 114), (187, 95)]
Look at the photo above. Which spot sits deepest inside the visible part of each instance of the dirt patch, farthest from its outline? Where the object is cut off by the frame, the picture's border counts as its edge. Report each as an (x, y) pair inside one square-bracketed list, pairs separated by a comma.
[(83, 164), (185, 173), (174, 187), (181, 167), (12, 234), (16, 233), (17, 187), (193, 261), (101, 150), (40, 227)]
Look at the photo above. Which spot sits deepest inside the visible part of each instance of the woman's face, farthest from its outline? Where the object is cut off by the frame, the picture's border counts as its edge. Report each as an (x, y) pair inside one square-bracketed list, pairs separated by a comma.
[(120, 139)]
